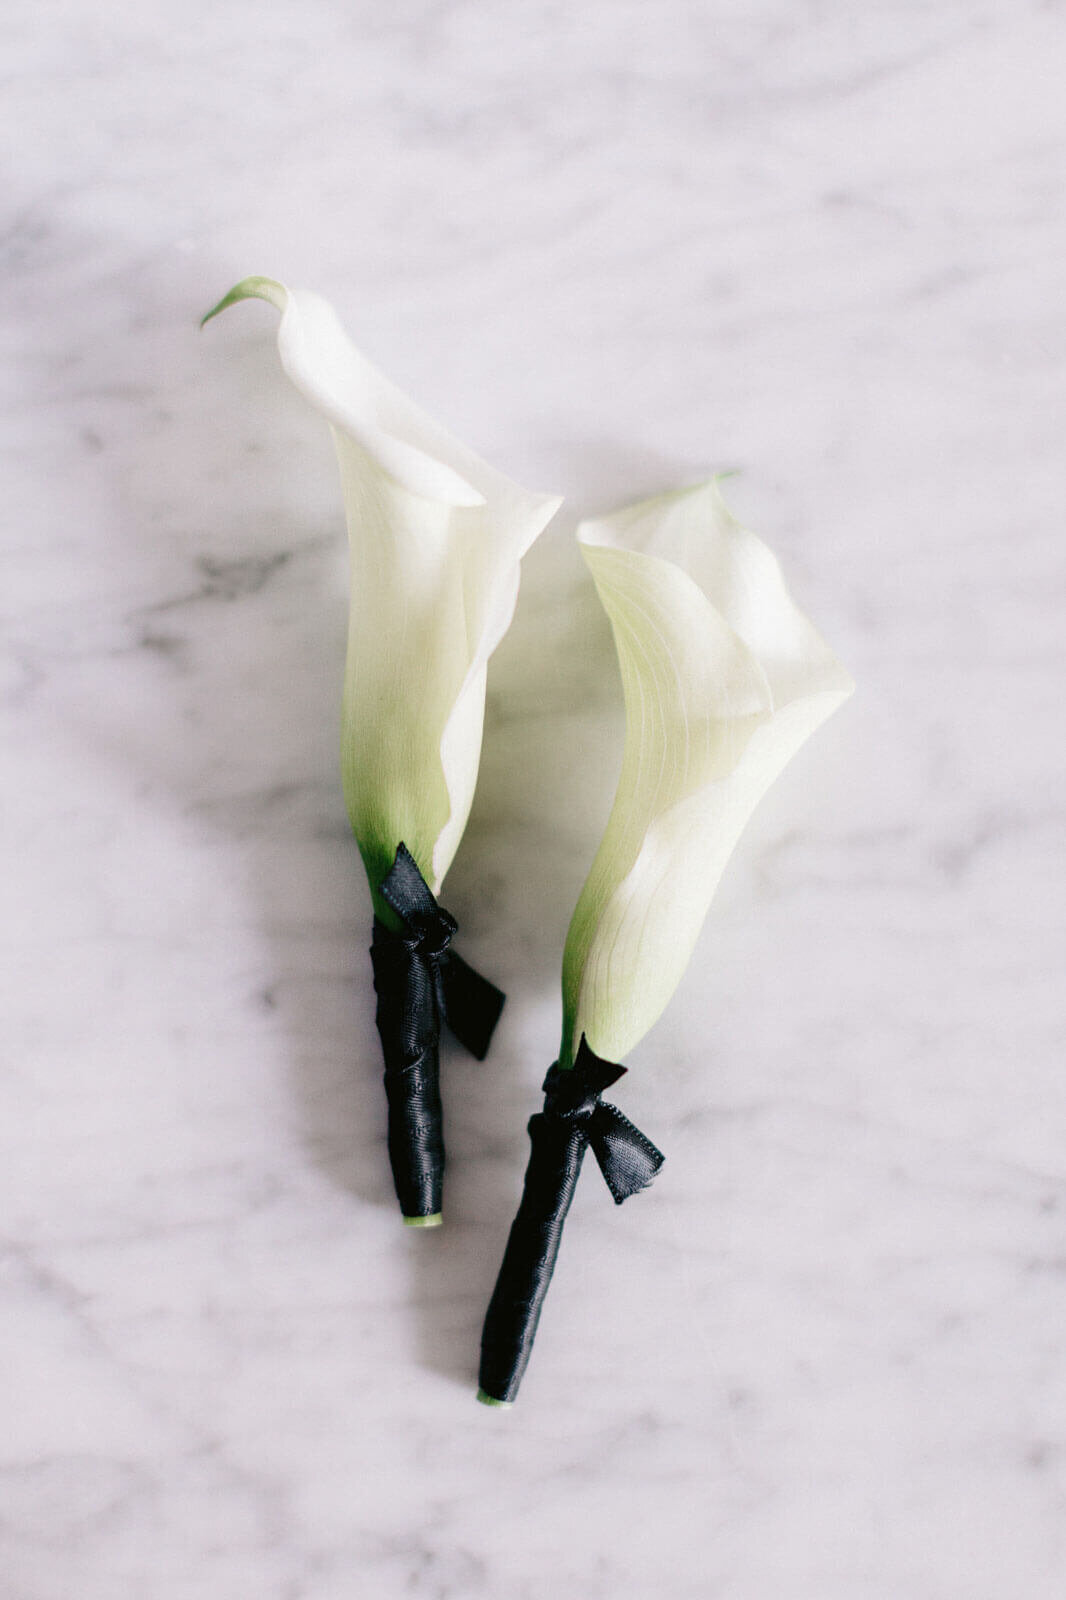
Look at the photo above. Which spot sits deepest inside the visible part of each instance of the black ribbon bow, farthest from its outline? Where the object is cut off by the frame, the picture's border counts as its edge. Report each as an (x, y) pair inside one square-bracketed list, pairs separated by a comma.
[(420, 983), (627, 1159), (467, 1002), (574, 1119)]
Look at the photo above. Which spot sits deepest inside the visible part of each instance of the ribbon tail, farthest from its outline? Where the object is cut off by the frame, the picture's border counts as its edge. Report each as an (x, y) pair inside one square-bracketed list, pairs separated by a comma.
[(471, 1004), (627, 1159)]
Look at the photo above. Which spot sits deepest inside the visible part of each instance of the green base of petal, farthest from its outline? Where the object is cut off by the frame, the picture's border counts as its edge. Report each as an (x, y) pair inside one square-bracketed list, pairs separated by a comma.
[(433, 1221)]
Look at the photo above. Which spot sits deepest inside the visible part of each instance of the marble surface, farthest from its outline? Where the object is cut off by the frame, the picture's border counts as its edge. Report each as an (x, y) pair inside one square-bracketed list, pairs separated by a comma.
[(615, 246)]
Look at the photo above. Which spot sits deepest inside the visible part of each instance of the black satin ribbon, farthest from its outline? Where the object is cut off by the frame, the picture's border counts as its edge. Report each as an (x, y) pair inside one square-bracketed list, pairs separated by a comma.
[(574, 1119), (420, 983)]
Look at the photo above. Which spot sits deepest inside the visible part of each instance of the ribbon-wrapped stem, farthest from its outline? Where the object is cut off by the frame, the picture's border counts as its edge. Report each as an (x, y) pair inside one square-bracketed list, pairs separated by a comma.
[(573, 1119), (420, 983)]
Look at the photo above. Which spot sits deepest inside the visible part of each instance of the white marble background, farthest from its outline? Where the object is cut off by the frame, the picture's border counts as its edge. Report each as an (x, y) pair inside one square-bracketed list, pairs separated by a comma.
[(616, 246)]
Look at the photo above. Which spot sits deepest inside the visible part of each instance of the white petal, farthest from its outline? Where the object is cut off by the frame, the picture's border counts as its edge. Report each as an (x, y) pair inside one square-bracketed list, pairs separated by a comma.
[(724, 679), (436, 537)]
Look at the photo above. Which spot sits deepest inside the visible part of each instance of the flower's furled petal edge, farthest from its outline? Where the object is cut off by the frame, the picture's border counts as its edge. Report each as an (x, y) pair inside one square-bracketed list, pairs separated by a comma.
[(724, 680), (321, 361), (429, 604)]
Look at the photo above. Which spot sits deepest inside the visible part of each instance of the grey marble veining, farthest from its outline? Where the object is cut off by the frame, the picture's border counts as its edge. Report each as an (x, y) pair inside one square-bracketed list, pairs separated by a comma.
[(616, 247)]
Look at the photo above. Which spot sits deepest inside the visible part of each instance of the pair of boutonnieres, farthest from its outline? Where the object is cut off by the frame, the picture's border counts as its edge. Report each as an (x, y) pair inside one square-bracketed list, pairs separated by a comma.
[(723, 677)]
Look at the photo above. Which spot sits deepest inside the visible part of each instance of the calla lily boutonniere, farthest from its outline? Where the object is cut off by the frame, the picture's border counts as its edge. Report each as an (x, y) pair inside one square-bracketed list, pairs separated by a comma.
[(724, 679), (436, 537)]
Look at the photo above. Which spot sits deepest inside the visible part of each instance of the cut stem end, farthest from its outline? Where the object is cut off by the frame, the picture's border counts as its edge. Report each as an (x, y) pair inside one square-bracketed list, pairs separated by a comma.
[(488, 1400), (424, 1222)]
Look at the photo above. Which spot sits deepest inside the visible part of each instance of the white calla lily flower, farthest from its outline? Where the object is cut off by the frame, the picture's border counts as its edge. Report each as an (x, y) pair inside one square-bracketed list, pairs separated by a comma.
[(724, 679), (436, 540)]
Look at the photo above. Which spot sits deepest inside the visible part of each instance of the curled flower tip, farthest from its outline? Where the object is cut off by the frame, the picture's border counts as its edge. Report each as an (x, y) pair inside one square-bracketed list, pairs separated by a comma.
[(249, 289)]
